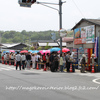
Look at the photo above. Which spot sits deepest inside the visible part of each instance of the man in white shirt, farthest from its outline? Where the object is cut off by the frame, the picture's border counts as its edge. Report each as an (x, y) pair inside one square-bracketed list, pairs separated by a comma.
[(37, 60), (23, 57), (5, 58), (18, 60)]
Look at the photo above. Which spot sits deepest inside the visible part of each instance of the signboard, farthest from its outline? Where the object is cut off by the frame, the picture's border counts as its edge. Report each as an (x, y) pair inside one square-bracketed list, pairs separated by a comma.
[(84, 35), (83, 32), (53, 36), (90, 34), (77, 33), (80, 41)]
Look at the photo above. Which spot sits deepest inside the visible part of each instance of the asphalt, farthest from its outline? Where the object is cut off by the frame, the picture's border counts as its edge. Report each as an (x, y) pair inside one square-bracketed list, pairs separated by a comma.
[(40, 85)]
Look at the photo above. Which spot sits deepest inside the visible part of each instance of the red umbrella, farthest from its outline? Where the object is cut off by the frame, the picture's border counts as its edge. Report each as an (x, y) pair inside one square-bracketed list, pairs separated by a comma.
[(44, 51), (65, 50), (24, 51)]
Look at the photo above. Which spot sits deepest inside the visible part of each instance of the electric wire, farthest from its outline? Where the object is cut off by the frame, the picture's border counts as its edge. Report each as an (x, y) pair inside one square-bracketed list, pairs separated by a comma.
[(78, 8)]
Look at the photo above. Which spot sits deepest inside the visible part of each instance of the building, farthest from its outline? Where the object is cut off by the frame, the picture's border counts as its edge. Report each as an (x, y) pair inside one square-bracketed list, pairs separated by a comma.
[(43, 43), (69, 42), (86, 31), (13, 46)]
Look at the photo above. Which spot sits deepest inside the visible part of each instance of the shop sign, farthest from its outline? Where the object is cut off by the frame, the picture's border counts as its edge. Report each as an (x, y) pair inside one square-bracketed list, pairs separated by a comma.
[(80, 41), (84, 35), (90, 34), (77, 33)]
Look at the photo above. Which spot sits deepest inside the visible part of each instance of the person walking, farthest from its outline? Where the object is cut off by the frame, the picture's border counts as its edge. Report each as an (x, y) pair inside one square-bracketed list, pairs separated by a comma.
[(47, 61), (5, 58), (12, 59), (51, 62), (8, 58), (18, 60), (44, 59), (28, 60), (23, 58), (33, 61), (64, 61), (72, 61), (56, 62), (37, 60), (83, 63), (61, 63), (67, 58)]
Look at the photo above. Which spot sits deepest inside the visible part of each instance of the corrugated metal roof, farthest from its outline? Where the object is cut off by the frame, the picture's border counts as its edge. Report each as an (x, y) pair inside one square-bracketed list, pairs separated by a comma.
[(51, 44), (43, 41), (10, 45), (7, 45), (92, 21)]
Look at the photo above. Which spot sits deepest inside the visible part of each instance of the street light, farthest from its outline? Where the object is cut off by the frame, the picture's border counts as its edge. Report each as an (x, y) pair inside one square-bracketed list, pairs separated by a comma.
[(60, 13)]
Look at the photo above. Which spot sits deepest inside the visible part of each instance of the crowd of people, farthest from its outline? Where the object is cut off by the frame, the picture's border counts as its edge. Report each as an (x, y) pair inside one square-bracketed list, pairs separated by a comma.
[(53, 61)]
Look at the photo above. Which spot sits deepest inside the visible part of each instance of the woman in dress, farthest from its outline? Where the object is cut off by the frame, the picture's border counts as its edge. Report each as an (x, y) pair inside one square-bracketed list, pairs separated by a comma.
[(33, 61)]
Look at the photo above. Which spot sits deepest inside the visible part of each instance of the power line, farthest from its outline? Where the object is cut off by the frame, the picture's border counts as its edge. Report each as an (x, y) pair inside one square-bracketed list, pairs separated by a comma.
[(78, 8)]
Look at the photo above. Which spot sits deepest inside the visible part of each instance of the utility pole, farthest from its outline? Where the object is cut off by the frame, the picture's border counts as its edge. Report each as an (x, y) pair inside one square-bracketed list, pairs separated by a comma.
[(60, 17), (0, 41), (0, 38), (60, 23), (98, 51), (59, 11)]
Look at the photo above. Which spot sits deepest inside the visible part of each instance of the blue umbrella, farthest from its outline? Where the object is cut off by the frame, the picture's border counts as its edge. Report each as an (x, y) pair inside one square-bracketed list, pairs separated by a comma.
[(30, 50), (55, 49), (35, 51), (4, 51), (7, 51)]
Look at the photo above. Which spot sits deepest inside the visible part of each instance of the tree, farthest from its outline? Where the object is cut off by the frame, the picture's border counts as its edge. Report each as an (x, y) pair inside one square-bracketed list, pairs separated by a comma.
[(47, 47), (26, 48), (39, 48), (31, 48), (24, 36)]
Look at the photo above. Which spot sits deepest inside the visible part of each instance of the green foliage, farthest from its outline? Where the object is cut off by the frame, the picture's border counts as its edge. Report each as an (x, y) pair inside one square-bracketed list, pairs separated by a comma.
[(70, 33), (39, 48), (27, 37), (31, 48), (47, 47), (26, 48)]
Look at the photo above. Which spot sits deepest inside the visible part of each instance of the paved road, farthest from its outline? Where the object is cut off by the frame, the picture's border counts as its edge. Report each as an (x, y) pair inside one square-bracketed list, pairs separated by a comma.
[(40, 85)]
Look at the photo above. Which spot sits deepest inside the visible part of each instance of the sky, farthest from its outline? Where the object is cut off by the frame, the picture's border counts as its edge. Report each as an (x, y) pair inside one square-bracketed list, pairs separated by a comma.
[(41, 18)]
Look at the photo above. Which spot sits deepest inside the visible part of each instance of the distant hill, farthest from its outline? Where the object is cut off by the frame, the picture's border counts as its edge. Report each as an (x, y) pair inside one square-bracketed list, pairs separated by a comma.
[(27, 36)]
